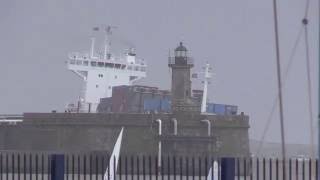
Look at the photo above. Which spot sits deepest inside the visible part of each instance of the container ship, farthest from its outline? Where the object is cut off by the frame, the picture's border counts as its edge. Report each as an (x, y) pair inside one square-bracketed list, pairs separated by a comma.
[(180, 119)]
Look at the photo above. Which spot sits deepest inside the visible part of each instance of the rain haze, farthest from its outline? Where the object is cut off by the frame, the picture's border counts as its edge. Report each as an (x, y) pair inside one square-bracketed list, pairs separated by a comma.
[(235, 37)]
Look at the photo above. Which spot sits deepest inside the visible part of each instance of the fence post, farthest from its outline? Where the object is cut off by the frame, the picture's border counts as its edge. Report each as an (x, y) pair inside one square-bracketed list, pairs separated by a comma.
[(57, 167), (227, 168)]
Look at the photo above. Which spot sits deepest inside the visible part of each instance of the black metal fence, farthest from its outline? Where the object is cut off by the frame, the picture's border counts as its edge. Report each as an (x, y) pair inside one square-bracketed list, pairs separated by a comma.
[(22, 166)]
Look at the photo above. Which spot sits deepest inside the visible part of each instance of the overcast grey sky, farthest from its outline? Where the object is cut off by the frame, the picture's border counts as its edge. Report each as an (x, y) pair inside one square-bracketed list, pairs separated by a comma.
[(236, 37)]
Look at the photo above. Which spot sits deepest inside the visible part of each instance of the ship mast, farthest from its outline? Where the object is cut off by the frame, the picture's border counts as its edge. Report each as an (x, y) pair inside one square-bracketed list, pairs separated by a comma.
[(319, 88), (207, 76), (283, 144)]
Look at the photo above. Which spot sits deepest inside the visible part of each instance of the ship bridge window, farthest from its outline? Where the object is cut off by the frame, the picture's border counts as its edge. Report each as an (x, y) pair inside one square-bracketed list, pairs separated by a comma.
[(85, 63), (129, 67), (93, 63), (118, 66), (110, 65), (123, 66), (100, 75), (79, 62), (100, 64)]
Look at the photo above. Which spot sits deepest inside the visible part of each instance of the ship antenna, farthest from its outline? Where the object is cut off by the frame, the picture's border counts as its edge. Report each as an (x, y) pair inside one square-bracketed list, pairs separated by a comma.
[(107, 42), (93, 43), (92, 47)]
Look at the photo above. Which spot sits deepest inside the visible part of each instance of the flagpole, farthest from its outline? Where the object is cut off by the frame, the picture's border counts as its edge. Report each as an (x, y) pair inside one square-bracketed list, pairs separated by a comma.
[(319, 87)]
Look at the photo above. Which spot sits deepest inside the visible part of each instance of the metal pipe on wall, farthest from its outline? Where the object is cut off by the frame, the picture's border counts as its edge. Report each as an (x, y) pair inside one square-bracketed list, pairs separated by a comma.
[(175, 126), (159, 144), (209, 126)]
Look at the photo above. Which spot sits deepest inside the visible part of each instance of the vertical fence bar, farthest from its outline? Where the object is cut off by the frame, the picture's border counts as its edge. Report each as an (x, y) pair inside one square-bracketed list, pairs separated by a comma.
[(316, 169), (284, 170), (212, 167), (149, 165), (85, 167), (24, 167), (49, 167), (270, 169), (78, 166), (205, 168), (138, 168), (114, 168), (219, 168), (90, 166), (1, 167), (251, 169), (162, 168), (257, 169), (18, 166), (169, 168), (245, 168), (264, 168), (174, 168), (180, 162), (132, 167), (193, 169), (67, 167), (156, 167), (297, 169), (277, 169), (30, 166), (150, 168), (187, 167), (126, 168), (37, 167), (310, 169), (42, 167), (12, 166), (120, 168), (290, 169), (73, 168), (7, 167), (238, 168), (106, 161), (143, 168), (199, 167), (97, 168), (303, 170)]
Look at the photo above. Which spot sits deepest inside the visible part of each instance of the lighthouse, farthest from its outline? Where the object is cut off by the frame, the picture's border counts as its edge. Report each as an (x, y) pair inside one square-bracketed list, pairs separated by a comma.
[(181, 65)]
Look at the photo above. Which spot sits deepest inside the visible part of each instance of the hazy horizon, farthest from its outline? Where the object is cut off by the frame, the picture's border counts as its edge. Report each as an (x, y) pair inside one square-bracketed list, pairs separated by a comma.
[(235, 37)]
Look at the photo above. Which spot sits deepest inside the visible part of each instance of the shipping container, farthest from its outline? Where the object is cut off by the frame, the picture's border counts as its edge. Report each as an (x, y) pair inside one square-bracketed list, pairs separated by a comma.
[(222, 109)]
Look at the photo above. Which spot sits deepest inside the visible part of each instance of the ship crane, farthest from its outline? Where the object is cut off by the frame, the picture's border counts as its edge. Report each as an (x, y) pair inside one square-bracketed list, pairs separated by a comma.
[(207, 76)]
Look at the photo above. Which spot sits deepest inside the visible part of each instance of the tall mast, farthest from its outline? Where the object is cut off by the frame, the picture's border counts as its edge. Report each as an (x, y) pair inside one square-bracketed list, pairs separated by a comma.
[(319, 88), (279, 85)]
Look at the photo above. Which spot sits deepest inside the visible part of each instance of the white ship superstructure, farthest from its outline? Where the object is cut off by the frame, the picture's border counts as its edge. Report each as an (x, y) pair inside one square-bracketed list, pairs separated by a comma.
[(101, 72)]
